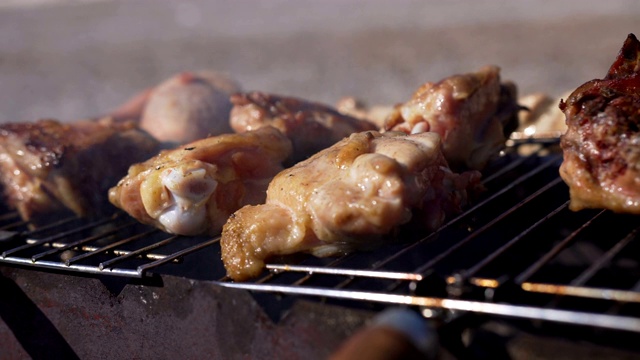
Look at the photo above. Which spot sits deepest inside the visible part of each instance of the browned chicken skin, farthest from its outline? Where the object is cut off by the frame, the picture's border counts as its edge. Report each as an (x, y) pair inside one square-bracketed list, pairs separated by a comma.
[(47, 166), (474, 113), (310, 126), (346, 197), (602, 144), (192, 190)]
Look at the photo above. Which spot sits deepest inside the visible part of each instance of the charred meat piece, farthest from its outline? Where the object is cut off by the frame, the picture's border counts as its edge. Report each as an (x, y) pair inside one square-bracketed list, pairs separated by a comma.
[(474, 113), (192, 190), (347, 197), (49, 167), (310, 126), (601, 147)]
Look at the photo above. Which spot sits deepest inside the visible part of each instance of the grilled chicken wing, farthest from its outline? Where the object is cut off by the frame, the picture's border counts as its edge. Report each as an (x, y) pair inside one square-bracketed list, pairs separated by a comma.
[(310, 126), (601, 147), (474, 113), (48, 167), (344, 198), (193, 189)]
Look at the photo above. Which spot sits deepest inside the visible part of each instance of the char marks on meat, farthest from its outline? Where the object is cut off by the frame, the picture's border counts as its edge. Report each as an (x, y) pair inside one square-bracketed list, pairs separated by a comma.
[(474, 113), (192, 189), (601, 147), (347, 197), (310, 126), (49, 167)]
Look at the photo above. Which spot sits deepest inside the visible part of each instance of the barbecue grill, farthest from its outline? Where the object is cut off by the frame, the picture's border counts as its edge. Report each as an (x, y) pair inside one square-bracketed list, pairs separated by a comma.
[(518, 256)]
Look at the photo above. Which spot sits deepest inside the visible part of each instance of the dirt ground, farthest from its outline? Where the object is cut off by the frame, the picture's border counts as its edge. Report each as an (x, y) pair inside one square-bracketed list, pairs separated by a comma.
[(70, 59)]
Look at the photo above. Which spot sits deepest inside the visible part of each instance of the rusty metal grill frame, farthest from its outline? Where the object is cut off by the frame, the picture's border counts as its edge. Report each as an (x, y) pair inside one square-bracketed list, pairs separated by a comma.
[(455, 273)]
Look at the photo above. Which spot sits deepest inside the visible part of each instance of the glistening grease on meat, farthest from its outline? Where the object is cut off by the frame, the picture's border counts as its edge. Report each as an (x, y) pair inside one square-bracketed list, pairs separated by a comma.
[(347, 197), (310, 126), (602, 144), (473, 113), (192, 189), (48, 167)]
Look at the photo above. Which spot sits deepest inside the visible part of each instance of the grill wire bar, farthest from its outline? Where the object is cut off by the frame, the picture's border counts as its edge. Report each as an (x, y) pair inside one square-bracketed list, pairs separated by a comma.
[(104, 237), (523, 216), (507, 310)]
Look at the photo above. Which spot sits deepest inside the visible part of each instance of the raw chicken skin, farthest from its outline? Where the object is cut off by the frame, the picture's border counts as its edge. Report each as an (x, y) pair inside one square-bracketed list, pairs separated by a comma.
[(474, 113), (193, 189), (345, 198)]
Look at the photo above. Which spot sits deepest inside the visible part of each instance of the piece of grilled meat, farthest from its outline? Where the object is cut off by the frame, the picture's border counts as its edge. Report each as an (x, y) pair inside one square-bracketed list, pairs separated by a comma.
[(474, 113), (192, 189), (188, 106), (310, 126), (48, 167), (345, 198), (602, 144)]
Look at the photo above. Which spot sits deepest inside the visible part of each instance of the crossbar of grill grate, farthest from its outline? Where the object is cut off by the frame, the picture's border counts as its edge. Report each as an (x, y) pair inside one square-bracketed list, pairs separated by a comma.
[(518, 252)]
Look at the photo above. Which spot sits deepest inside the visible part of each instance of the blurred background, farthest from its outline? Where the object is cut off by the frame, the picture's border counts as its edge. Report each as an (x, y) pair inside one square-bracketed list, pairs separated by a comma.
[(70, 59)]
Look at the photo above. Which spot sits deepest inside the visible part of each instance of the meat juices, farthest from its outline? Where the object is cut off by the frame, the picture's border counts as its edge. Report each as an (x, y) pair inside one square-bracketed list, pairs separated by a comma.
[(474, 113), (310, 126), (48, 167), (601, 147), (192, 189), (346, 198)]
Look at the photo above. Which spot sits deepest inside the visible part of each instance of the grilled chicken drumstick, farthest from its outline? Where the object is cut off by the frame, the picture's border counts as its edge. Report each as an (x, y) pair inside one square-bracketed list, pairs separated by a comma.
[(346, 197), (192, 189), (602, 144)]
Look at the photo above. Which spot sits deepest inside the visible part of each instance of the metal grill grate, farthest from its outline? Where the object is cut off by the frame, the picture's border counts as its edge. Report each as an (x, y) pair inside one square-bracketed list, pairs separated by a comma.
[(519, 252), (111, 246)]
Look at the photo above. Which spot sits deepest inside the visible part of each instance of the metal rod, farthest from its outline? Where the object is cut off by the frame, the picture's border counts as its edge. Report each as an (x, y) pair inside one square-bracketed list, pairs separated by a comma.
[(14, 225), (138, 252), (8, 216), (57, 247), (52, 225), (77, 268), (525, 275), (142, 269), (346, 272), (473, 235), (538, 137), (468, 212), (55, 237), (516, 311), (8, 235), (512, 165), (474, 269), (604, 259), (581, 291), (92, 251)]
